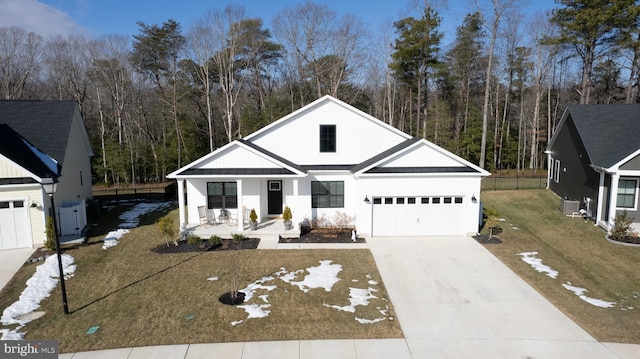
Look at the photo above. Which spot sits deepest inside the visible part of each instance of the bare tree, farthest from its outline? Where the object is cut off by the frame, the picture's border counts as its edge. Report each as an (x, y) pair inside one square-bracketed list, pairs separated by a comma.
[(19, 61), (498, 9)]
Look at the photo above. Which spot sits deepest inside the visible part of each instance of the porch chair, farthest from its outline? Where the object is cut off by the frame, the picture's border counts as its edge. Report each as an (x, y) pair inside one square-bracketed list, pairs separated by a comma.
[(202, 214), (211, 217)]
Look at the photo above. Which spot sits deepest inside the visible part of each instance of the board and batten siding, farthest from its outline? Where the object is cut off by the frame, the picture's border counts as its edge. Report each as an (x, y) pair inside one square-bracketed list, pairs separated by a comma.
[(577, 179), (10, 170), (421, 156), (631, 165), (237, 157), (75, 180), (358, 138)]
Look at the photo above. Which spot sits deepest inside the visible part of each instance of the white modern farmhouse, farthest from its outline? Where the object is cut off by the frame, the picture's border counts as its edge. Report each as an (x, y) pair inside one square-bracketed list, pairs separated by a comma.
[(330, 160)]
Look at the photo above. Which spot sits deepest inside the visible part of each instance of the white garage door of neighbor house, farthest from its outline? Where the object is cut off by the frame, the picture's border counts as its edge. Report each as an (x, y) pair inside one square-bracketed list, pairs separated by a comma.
[(15, 229), (417, 216)]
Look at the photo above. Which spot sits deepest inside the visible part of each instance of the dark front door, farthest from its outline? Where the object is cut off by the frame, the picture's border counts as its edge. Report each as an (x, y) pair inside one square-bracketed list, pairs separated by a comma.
[(274, 189)]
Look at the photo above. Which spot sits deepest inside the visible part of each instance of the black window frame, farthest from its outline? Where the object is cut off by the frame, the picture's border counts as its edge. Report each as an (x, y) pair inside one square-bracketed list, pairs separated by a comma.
[(628, 195), (227, 199), (327, 194), (328, 138)]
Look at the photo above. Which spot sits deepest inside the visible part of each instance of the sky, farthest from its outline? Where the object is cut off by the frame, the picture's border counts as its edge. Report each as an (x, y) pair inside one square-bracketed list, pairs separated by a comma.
[(93, 18)]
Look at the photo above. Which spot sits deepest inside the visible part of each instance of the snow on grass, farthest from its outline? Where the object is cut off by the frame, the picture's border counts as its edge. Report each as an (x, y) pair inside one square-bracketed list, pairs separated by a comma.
[(39, 286), (323, 276), (580, 293), (111, 239), (212, 279), (131, 219), (536, 263)]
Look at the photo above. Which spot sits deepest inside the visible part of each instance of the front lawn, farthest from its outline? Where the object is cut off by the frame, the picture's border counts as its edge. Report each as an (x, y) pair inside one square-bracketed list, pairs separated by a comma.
[(579, 253), (138, 297)]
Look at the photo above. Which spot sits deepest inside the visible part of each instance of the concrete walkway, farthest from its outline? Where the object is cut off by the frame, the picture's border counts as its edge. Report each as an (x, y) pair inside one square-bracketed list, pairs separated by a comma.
[(10, 261), (453, 299)]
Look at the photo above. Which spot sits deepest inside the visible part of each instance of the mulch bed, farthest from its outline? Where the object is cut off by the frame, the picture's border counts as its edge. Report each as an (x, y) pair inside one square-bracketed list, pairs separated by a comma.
[(484, 239), (630, 239), (39, 254), (324, 235), (206, 246)]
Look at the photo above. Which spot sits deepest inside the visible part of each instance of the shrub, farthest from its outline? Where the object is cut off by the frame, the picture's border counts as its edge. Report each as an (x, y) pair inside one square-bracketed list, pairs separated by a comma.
[(192, 239), (491, 221), (286, 214), (622, 227), (237, 237), (50, 242), (253, 216), (166, 227), (215, 239)]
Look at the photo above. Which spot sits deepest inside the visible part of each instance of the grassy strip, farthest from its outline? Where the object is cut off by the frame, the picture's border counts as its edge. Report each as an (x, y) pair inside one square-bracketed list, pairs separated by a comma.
[(141, 298), (579, 251)]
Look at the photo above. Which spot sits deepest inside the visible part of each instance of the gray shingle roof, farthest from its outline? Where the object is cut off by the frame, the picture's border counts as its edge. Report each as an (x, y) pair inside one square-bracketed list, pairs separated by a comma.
[(45, 124), (609, 132), (13, 146)]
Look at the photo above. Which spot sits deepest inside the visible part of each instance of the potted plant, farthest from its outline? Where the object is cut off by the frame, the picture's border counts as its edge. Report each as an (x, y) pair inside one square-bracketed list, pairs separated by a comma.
[(253, 218), (286, 216)]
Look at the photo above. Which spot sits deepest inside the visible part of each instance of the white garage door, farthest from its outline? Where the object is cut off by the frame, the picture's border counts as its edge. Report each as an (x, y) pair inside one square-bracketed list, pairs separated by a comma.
[(15, 229), (413, 216)]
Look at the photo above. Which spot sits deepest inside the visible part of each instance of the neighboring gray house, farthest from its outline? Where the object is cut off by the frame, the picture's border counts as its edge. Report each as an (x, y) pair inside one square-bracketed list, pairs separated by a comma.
[(594, 158), (40, 139)]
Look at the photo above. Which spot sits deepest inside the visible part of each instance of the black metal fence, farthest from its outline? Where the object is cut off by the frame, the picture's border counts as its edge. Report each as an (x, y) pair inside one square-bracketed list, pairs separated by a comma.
[(162, 192), (497, 183)]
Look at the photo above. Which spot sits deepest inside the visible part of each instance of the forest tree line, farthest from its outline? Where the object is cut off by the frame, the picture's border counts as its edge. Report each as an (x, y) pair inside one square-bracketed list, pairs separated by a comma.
[(159, 99)]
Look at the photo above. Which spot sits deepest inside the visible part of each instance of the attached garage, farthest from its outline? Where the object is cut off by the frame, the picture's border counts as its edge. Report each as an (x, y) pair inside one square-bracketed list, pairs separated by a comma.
[(419, 215), (15, 227)]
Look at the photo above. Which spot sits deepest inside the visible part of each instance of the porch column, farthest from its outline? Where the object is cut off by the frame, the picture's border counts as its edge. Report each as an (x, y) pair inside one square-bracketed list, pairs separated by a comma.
[(613, 199), (601, 205), (240, 206), (295, 203), (181, 209)]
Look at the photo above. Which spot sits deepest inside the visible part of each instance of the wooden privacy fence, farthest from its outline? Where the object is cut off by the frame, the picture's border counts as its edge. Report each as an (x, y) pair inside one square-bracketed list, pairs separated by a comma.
[(497, 183)]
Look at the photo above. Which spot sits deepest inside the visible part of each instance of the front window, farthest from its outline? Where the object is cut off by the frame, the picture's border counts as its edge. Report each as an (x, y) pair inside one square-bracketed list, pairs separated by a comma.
[(327, 194), (627, 193), (222, 195), (327, 138), (556, 176)]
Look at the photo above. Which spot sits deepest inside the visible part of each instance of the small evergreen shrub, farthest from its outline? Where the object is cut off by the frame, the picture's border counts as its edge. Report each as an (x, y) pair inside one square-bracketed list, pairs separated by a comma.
[(622, 227), (167, 228), (253, 216), (194, 239), (237, 237), (50, 231), (215, 239), (286, 214)]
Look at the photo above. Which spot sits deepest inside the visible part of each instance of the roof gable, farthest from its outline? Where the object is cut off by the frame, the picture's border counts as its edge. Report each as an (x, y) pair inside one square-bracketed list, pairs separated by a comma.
[(45, 124), (609, 133), (20, 152), (358, 136)]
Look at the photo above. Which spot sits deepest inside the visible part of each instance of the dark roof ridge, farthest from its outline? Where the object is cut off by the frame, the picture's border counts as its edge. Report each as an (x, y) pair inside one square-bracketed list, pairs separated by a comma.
[(384, 154)]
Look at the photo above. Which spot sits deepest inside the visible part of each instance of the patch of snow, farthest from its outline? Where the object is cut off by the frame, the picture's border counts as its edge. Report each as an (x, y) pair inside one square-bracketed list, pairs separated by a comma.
[(502, 220), (580, 293), (323, 276), (369, 321), (255, 310), (236, 322), (536, 263), (131, 218), (372, 282), (111, 239), (212, 279), (39, 286), (264, 297), (251, 288), (287, 277), (357, 296), (48, 161)]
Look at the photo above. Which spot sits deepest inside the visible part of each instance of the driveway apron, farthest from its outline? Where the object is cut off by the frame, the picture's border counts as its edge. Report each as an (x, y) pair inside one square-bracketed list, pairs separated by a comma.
[(454, 299), (10, 261)]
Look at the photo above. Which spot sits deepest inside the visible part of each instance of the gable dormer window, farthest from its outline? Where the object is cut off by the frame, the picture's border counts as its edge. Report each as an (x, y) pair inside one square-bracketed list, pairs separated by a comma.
[(327, 138)]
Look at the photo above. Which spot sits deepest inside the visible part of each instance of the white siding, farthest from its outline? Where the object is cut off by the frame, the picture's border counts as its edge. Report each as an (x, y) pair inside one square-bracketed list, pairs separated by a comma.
[(421, 156), (31, 194), (358, 137), (10, 170), (237, 157), (75, 182)]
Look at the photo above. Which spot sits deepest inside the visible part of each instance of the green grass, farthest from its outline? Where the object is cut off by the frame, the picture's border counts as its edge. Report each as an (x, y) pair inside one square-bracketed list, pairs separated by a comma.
[(140, 298), (581, 254)]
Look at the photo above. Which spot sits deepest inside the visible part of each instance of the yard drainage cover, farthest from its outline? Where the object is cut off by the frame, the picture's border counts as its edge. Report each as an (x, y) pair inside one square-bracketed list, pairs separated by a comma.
[(232, 298)]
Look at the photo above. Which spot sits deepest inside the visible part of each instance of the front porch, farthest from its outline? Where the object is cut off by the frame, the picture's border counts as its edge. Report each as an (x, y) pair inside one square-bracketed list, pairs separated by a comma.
[(268, 228)]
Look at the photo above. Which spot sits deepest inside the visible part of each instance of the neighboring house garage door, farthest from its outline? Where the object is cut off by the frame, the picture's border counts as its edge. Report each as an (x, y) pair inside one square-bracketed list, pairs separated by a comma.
[(15, 228), (417, 216)]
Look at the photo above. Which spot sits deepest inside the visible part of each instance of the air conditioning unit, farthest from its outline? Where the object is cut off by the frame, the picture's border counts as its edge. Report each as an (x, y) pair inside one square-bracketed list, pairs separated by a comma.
[(569, 207)]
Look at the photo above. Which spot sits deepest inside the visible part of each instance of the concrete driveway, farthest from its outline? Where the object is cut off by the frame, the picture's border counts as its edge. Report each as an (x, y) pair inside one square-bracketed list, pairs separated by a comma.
[(10, 261), (454, 299)]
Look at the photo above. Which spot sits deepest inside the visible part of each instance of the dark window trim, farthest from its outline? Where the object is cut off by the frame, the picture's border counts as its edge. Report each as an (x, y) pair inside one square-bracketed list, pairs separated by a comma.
[(325, 198), (632, 195), (328, 138), (226, 200)]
